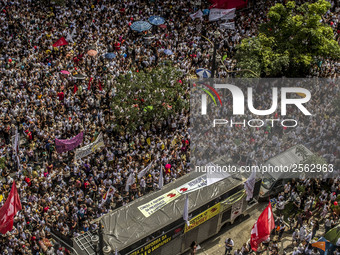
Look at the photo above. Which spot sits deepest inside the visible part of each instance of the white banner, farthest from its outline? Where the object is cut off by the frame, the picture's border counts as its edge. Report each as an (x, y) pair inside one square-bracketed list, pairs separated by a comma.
[(195, 184), (158, 203), (88, 149), (197, 15), (228, 25), (216, 14)]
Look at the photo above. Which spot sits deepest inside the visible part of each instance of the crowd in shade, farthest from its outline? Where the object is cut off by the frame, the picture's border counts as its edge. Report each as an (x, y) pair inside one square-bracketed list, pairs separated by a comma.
[(49, 93), (304, 216)]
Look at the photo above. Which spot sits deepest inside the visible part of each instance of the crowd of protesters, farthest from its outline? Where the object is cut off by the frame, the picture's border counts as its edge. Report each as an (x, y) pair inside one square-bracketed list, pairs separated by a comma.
[(61, 194), (304, 213)]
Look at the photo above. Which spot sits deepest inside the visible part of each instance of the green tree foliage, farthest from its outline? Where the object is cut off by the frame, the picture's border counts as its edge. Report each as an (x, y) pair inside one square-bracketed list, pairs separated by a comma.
[(290, 41), (145, 97)]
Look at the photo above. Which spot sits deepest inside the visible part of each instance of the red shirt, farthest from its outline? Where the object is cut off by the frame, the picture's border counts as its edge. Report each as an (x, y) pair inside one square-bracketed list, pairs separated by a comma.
[(61, 96)]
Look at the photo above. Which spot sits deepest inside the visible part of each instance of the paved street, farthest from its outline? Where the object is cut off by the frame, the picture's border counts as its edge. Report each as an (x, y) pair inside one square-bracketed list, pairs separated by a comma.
[(240, 233)]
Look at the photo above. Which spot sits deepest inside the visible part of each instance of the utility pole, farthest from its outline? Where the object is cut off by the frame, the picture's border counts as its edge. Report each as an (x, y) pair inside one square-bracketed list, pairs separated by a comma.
[(101, 239)]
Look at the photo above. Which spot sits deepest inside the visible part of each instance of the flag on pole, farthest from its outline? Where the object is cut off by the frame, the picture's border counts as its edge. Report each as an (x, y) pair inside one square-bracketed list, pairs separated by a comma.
[(186, 210), (197, 15), (60, 42), (262, 227), (116, 252), (9, 210), (109, 192), (89, 86), (16, 144), (143, 172), (100, 86), (75, 89), (249, 185), (160, 180), (129, 182)]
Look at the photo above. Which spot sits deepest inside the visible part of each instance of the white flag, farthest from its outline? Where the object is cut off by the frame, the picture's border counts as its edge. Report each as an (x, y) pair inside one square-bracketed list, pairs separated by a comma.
[(143, 172), (116, 252), (228, 25), (15, 142), (216, 14), (186, 210), (249, 185), (197, 15), (129, 182), (160, 180)]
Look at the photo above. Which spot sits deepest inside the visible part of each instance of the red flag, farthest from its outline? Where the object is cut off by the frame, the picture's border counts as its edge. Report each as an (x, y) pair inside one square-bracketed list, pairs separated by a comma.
[(100, 86), (9, 210), (229, 4), (89, 86), (262, 227), (75, 89), (60, 42)]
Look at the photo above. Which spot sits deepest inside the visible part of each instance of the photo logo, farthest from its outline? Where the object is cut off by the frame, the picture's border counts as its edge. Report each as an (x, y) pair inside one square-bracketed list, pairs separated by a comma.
[(239, 99), (204, 96)]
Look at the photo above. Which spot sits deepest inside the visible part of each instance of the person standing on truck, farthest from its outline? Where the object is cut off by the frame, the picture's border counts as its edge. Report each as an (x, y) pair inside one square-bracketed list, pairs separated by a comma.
[(229, 244)]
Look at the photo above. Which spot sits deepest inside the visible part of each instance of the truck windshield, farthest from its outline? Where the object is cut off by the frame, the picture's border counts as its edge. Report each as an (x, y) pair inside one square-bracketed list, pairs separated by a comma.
[(268, 181)]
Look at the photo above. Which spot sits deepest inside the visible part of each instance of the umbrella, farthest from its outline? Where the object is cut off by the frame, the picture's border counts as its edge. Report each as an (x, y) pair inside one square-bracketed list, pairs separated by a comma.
[(156, 20), (168, 52), (324, 247), (110, 55), (79, 76), (65, 72), (333, 235), (203, 73), (140, 26), (92, 53), (162, 26)]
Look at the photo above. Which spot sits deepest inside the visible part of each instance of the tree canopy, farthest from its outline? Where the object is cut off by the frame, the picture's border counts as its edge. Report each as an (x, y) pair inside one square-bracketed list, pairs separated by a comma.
[(149, 96), (293, 38)]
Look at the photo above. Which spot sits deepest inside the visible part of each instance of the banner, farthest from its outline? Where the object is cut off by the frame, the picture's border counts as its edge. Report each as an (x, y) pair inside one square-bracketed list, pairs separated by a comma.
[(68, 144), (197, 15), (228, 25), (152, 246), (195, 184), (216, 14), (157, 203), (88, 149), (204, 216)]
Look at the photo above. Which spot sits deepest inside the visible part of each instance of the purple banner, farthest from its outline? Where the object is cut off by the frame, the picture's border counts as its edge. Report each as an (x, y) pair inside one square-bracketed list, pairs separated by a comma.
[(68, 144)]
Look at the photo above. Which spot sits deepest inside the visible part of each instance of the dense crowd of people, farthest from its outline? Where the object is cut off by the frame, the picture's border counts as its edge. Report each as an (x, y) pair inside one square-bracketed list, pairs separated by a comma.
[(64, 195), (304, 213)]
